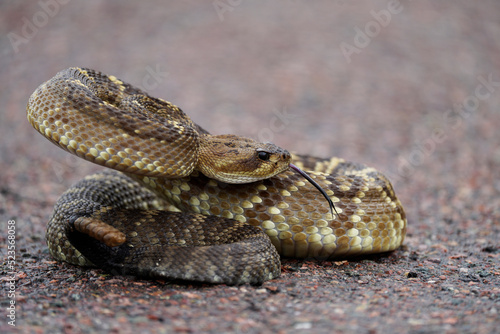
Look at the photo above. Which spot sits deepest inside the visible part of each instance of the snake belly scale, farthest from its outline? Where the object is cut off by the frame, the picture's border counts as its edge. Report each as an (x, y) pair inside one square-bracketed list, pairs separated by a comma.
[(179, 203)]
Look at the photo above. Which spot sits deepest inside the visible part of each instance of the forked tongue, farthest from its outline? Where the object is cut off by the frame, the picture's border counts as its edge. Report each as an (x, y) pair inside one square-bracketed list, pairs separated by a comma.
[(317, 186)]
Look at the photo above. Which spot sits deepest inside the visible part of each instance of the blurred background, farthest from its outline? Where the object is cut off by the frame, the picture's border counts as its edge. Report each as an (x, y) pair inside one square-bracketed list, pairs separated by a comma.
[(411, 88)]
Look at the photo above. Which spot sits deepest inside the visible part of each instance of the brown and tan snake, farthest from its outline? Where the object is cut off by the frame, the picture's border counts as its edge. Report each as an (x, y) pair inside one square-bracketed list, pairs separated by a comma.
[(179, 203)]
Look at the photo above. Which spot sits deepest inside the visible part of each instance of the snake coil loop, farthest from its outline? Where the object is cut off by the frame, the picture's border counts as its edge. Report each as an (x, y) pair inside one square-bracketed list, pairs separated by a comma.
[(180, 203)]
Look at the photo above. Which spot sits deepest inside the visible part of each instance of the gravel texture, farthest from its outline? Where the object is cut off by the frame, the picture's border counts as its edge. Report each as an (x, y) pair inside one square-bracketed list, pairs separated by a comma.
[(416, 94)]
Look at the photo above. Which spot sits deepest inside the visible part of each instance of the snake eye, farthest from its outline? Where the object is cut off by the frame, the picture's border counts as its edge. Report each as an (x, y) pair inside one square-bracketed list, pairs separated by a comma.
[(263, 155)]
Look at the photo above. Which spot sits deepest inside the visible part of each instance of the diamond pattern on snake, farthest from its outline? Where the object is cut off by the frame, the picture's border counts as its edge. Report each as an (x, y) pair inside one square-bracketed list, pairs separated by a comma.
[(176, 202)]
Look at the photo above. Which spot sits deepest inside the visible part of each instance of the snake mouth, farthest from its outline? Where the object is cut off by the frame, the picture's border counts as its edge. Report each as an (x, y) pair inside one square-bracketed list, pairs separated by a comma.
[(316, 185)]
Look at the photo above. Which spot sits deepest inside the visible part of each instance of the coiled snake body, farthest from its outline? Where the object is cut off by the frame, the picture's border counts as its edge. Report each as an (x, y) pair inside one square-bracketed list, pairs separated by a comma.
[(183, 204)]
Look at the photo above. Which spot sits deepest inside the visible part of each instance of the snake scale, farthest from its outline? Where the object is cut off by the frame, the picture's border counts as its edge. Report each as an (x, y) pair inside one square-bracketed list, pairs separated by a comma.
[(179, 203)]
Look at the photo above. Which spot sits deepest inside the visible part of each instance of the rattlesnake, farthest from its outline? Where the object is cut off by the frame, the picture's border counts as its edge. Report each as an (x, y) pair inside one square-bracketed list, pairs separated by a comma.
[(241, 204)]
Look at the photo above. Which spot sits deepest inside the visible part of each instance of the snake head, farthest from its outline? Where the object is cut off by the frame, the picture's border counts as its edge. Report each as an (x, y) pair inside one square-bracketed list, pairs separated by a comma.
[(235, 159)]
